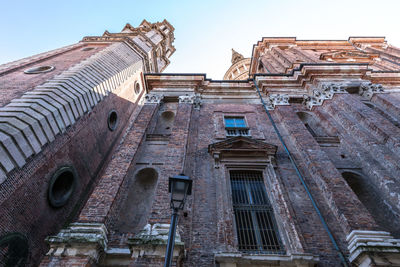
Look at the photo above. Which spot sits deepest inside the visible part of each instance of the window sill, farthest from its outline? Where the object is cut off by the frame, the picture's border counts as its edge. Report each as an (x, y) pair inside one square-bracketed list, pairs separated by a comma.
[(237, 259)]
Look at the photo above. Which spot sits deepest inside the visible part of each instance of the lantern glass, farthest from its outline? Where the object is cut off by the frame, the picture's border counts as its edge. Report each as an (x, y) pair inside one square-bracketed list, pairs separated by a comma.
[(179, 187)]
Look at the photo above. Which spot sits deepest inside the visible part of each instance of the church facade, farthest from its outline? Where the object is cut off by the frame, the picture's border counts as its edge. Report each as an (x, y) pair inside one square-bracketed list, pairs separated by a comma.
[(294, 156)]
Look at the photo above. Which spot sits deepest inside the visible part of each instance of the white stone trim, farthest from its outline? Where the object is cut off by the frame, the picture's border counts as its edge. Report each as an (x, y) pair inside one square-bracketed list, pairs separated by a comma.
[(236, 259), (367, 90), (79, 239), (153, 98), (364, 245)]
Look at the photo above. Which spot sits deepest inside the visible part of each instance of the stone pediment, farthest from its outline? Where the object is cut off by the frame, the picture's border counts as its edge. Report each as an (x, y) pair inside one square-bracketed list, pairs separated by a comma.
[(242, 144)]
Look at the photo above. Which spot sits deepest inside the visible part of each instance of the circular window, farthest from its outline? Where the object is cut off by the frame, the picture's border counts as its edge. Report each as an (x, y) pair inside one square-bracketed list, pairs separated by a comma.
[(87, 48), (112, 120), (137, 88), (40, 69), (61, 187), (14, 250)]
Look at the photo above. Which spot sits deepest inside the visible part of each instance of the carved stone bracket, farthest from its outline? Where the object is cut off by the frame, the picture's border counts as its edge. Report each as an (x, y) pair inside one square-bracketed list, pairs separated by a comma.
[(373, 248), (311, 101), (367, 90), (151, 242), (79, 239), (187, 99), (326, 91), (277, 100), (197, 101), (153, 99)]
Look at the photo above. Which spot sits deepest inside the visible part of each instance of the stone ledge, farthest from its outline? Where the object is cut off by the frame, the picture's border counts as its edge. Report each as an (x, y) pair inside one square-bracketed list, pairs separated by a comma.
[(152, 241), (79, 239), (236, 259), (373, 246)]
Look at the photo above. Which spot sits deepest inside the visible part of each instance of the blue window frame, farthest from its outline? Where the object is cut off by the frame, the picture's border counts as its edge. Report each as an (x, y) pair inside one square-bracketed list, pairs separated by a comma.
[(235, 122)]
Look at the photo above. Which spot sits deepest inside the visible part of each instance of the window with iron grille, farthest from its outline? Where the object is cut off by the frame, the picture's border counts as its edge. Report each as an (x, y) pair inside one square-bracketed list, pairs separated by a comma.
[(256, 226), (236, 126)]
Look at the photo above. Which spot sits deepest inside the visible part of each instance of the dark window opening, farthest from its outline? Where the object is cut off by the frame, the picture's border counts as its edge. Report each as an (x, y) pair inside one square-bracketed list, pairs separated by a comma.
[(255, 223), (61, 186), (14, 250), (40, 69), (87, 48), (316, 130), (137, 88), (112, 120)]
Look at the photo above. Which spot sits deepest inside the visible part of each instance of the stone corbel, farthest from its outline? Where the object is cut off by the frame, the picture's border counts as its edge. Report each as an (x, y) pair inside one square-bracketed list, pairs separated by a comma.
[(79, 239), (326, 91), (373, 248), (153, 98), (186, 99), (367, 90), (277, 100), (311, 101), (197, 101), (217, 157)]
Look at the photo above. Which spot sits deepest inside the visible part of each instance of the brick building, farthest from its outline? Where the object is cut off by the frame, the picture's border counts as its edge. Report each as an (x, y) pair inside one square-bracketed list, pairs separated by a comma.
[(294, 156)]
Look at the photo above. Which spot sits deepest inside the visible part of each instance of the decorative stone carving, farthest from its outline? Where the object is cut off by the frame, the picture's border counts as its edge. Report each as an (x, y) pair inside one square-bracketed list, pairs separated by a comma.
[(311, 101), (197, 101), (279, 99), (373, 248), (276, 100), (79, 239), (153, 99), (326, 91), (367, 90), (152, 242), (241, 146), (187, 99)]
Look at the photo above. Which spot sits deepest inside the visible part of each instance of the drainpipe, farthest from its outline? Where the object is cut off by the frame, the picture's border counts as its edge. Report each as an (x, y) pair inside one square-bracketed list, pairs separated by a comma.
[(317, 210)]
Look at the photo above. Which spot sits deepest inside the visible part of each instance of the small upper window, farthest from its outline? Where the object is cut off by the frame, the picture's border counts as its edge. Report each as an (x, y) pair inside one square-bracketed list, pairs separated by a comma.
[(87, 48), (40, 69), (236, 126)]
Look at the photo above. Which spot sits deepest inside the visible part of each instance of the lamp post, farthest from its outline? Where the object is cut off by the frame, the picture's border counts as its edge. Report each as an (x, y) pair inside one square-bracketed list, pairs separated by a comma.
[(179, 186)]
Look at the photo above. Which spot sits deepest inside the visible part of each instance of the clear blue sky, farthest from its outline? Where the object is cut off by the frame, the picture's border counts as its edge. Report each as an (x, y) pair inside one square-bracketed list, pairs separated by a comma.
[(205, 30)]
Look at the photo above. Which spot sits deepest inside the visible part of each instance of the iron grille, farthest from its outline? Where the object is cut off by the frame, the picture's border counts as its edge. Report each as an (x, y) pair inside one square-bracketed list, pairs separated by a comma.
[(255, 222)]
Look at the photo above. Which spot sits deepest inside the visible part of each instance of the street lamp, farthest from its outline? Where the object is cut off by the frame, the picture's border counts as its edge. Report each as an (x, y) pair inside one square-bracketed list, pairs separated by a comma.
[(179, 186)]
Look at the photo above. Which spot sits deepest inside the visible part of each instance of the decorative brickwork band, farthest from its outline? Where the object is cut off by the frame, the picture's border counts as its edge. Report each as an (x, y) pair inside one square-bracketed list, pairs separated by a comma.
[(79, 239), (34, 120), (373, 248)]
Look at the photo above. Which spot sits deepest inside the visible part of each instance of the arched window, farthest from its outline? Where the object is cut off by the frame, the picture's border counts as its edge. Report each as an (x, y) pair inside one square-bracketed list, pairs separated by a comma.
[(311, 124), (369, 195), (136, 206)]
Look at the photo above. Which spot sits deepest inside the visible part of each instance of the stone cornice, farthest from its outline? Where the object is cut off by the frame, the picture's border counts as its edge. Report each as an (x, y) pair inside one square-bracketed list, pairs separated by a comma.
[(372, 246)]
